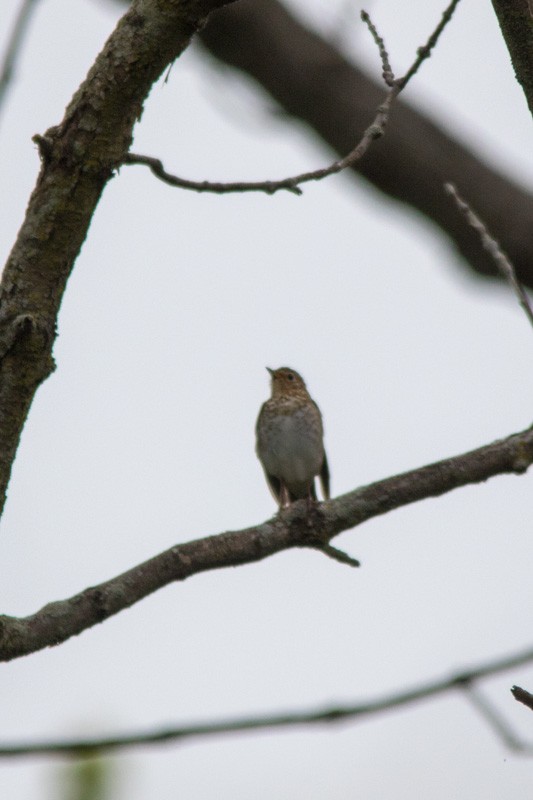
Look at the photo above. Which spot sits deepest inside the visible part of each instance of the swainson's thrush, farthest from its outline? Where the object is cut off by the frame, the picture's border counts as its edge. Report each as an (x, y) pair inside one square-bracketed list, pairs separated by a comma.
[(290, 442)]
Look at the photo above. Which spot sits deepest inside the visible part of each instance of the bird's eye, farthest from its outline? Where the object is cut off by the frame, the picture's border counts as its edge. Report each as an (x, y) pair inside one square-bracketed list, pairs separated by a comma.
[(290, 376)]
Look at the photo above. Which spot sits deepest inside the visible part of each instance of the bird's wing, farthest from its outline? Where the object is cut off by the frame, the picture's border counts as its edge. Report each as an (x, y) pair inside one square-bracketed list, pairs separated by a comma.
[(324, 478), (274, 484)]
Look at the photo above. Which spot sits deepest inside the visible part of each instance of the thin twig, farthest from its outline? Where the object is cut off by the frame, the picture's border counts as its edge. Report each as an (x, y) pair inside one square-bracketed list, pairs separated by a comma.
[(292, 184), (388, 74), (492, 246), (338, 555), (497, 722), (269, 187), (343, 713), (14, 46), (425, 51), (522, 696)]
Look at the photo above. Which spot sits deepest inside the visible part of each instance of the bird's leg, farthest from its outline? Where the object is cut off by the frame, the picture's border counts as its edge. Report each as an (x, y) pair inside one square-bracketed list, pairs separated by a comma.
[(311, 502), (312, 499), (284, 497)]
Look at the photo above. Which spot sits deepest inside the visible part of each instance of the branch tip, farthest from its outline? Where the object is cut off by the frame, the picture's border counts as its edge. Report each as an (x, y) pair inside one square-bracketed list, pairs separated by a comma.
[(388, 74), (500, 259), (338, 555), (522, 696)]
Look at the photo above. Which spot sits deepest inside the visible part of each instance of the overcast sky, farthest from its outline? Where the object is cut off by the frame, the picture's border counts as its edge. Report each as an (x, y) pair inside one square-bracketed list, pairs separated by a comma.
[(143, 437)]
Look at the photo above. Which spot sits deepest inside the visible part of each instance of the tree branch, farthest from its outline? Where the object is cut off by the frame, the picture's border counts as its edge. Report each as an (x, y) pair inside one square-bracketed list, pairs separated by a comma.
[(295, 527), (78, 158), (345, 713), (492, 247), (516, 23), (497, 722)]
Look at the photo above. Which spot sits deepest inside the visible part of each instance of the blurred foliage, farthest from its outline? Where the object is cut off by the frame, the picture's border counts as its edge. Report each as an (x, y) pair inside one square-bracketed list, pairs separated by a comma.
[(86, 779)]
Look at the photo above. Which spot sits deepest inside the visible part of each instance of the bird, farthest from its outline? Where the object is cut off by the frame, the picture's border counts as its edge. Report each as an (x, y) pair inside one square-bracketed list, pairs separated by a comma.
[(290, 440)]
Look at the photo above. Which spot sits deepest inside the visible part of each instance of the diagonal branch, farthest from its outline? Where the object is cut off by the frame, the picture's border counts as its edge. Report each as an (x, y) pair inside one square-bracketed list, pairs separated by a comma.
[(57, 622), (492, 246), (497, 721), (350, 712), (78, 159)]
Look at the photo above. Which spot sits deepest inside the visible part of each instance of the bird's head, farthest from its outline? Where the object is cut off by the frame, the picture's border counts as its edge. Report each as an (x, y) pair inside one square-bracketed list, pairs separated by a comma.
[(287, 382)]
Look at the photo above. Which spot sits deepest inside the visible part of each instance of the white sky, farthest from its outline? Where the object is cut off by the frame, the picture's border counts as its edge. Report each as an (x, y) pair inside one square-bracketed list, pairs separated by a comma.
[(144, 436)]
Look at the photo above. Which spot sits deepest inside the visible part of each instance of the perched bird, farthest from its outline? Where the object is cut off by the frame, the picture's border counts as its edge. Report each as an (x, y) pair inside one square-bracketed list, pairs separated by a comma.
[(290, 442)]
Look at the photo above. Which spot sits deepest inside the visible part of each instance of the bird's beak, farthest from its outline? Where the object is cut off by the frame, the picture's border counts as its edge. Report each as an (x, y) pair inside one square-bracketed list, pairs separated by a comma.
[(270, 370)]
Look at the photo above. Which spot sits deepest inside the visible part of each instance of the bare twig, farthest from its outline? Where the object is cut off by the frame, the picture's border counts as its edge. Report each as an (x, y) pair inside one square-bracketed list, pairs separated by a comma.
[(338, 555), (292, 184), (522, 696), (349, 712), (14, 46), (493, 248), (269, 187), (425, 51), (57, 622), (497, 722), (388, 74)]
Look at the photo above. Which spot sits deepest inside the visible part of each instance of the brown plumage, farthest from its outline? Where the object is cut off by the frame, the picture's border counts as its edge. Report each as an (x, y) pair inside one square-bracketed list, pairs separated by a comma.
[(290, 442)]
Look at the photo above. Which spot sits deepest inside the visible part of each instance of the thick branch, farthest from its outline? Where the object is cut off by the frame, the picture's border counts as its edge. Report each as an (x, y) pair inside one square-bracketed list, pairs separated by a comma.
[(296, 527), (78, 159), (346, 713), (313, 82), (516, 23)]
